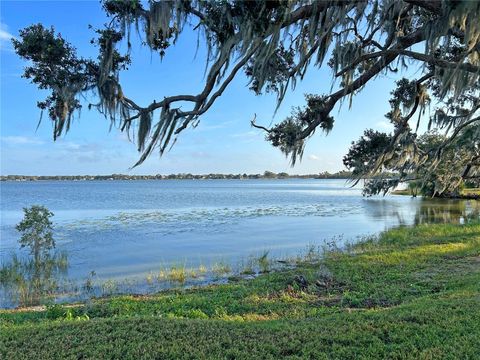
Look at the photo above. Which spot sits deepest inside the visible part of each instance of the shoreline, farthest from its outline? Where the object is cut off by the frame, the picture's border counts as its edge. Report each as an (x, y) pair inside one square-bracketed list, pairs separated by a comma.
[(414, 281), (165, 178), (467, 194)]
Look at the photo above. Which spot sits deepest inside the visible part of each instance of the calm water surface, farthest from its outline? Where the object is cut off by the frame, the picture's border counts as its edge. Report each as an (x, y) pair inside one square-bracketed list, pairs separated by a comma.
[(125, 229)]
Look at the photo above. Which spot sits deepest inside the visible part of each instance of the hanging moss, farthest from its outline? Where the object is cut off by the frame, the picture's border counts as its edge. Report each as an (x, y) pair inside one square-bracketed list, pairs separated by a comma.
[(276, 42)]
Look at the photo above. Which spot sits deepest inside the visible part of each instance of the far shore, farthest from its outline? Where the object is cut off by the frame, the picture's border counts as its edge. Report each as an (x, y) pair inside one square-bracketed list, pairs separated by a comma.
[(343, 175)]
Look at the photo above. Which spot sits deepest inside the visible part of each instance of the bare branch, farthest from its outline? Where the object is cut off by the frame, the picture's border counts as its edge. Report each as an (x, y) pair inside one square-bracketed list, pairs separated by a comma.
[(252, 122)]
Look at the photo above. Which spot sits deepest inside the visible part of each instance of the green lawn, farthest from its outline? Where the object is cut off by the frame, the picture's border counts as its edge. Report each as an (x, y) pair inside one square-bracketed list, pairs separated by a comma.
[(413, 293)]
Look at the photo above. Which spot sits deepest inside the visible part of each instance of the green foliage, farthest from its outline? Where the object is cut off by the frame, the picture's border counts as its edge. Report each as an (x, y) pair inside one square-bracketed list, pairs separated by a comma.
[(363, 153), (429, 177), (54, 311), (288, 135), (36, 229), (54, 65)]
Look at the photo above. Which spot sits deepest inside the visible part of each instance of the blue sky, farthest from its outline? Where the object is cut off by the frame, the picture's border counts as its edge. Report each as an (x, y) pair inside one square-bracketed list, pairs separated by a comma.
[(224, 142)]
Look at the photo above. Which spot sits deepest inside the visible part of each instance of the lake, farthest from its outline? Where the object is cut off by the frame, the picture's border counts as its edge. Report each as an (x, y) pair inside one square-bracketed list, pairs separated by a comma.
[(127, 229)]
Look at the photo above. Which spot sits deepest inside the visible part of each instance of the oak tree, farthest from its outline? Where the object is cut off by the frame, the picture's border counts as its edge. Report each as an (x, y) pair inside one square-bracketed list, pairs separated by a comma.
[(274, 43)]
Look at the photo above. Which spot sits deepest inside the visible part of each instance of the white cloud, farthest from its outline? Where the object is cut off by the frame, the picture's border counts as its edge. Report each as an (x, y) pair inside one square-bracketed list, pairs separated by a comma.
[(313, 157), (5, 38), (69, 145), (5, 35), (21, 140)]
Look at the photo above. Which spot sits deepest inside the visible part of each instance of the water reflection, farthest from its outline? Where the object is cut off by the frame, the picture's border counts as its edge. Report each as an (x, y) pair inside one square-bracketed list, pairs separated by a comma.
[(27, 281), (447, 211), (427, 211), (399, 213)]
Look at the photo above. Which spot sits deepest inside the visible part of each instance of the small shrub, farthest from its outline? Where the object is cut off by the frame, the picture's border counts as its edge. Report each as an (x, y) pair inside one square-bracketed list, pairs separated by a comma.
[(55, 311)]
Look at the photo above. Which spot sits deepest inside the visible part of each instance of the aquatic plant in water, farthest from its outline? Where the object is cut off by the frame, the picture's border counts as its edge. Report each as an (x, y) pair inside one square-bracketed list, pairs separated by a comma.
[(30, 281)]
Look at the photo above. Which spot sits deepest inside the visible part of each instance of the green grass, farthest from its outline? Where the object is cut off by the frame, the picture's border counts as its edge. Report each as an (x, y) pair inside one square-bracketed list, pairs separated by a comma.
[(464, 192), (473, 191), (413, 293)]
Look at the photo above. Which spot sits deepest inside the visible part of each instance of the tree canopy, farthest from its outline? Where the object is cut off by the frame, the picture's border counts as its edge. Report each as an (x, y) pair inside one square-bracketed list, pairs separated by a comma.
[(274, 43)]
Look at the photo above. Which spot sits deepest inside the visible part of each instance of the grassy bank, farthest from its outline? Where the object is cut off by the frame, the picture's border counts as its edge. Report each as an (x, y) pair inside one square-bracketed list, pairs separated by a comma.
[(468, 192), (411, 293)]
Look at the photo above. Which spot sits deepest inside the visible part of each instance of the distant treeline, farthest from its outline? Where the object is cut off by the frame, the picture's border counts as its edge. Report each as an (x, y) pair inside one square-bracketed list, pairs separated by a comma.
[(265, 175)]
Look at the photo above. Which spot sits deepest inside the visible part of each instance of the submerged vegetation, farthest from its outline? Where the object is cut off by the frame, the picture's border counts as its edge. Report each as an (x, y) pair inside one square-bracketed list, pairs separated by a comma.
[(29, 282), (33, 279), (26, 283), (408, 293)]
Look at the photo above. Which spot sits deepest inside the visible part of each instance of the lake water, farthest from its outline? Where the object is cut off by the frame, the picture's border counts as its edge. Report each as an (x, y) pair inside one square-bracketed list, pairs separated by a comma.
[(126, 229)]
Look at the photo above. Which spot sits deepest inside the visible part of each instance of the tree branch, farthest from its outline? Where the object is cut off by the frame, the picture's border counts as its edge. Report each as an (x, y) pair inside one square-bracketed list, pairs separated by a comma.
[(252, 122), (387, 58), (434, 6)]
